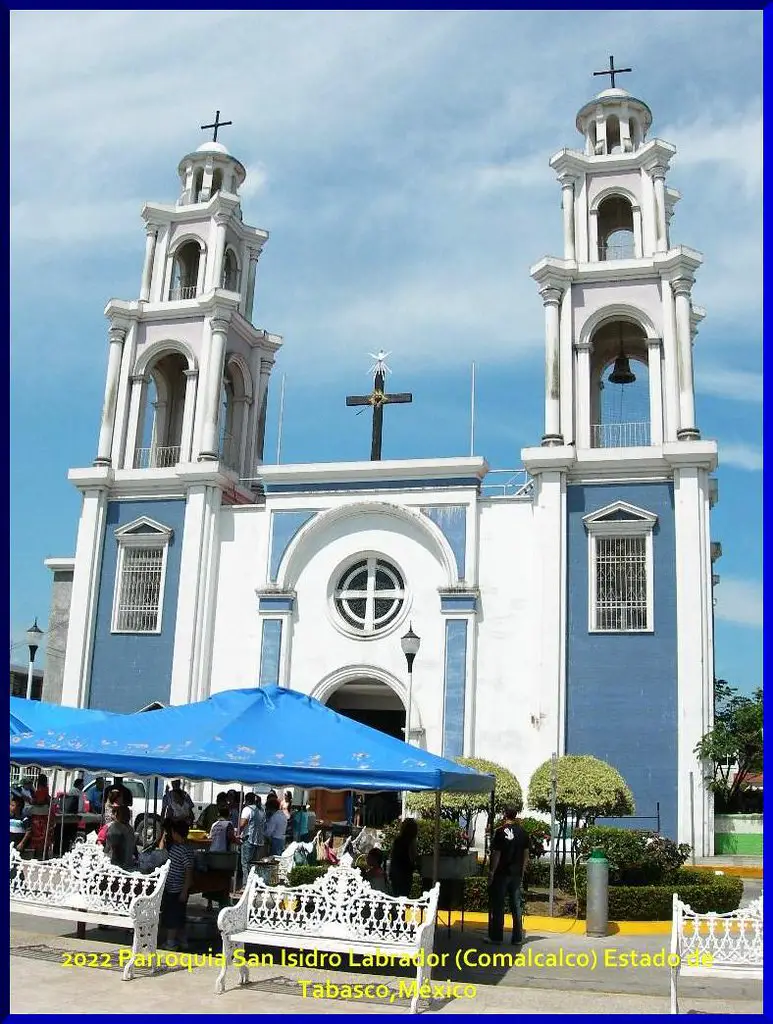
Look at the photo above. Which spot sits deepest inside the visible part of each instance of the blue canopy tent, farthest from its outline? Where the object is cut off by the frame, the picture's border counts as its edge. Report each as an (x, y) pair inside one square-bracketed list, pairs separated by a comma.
[(264, 735), (49, 720)]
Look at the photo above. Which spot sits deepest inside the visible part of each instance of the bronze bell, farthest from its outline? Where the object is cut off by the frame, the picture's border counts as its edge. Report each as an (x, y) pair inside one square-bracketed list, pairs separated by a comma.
[(621, 371)]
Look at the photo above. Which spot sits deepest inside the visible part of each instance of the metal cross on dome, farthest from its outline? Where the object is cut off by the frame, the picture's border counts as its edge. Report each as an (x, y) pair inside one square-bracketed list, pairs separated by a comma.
[(217, 125), (613, 71)]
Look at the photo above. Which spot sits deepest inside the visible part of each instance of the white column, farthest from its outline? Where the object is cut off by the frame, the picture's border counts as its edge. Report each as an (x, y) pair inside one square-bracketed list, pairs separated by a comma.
[(254, 256), (638, 244), (186, 438), (151, 232), (216, 277), (687, 430), (670, 378), (211, 396), (551, 298), (693, 611), (133, 438), (196, 600), (285, 649), (188, 193), (567, 202), (593, 236), (242, 407), (201, 272), (124, 389), (88, 558), (659, 181), (117, 336), (582, 404), (256, 453), (656, 390), (469, 685)]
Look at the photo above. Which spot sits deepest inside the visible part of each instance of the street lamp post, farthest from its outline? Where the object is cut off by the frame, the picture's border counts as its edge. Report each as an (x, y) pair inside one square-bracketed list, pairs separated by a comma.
[(34, 633), (410, 644)]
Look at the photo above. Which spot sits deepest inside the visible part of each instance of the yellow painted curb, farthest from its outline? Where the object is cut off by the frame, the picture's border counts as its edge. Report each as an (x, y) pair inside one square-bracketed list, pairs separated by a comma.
[(560, 925), (739, 870)]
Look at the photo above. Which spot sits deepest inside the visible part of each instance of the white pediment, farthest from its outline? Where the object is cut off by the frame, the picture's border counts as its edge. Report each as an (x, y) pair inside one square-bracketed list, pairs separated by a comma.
[(144, 528), (621, 517)]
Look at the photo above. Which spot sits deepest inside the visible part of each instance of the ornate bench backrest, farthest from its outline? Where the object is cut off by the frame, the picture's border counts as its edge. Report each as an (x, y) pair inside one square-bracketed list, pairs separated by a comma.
[(83, 879), (733, 939), (342, 905)]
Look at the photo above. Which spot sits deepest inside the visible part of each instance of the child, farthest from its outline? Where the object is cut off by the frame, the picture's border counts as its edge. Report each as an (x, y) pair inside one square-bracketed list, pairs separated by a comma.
[(222, 835), (178, 883), (374, 870)]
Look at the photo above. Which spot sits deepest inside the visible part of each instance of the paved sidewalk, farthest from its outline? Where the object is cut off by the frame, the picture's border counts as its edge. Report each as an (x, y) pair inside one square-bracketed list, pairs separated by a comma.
[(41, 983)]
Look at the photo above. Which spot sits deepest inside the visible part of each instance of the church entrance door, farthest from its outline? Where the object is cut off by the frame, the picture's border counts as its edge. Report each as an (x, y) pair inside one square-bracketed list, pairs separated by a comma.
[(375, 704)]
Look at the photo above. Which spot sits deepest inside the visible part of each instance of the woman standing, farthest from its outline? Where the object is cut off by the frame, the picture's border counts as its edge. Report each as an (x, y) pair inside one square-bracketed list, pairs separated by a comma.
[(404, 858)]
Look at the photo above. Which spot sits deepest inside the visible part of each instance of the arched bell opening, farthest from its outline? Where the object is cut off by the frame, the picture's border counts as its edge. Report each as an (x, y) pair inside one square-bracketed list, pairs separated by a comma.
[(160, 426), (620, 392), (185, 272), (615, 229)]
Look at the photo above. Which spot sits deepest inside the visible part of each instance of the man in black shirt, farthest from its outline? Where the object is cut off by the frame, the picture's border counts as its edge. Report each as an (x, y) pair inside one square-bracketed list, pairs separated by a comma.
[(509, 858)]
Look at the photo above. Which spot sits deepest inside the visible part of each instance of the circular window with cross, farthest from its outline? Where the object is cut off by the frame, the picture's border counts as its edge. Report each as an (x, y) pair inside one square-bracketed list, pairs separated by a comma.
[(369, 595)]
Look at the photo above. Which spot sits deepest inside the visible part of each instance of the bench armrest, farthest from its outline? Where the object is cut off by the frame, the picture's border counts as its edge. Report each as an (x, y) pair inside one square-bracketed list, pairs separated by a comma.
[(234, 919), (146, 905)]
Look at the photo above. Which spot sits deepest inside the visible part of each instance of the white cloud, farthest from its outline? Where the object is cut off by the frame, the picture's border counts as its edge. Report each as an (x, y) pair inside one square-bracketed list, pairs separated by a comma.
[(739, 601), (741, 456), (720, 382)]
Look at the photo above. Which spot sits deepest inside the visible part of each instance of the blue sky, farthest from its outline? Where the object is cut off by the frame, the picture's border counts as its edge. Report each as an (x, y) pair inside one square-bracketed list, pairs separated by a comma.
[(400, 162)]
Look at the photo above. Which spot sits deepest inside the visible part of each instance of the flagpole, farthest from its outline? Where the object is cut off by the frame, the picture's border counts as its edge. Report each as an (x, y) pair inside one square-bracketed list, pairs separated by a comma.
[(281, 420), (472, 413)]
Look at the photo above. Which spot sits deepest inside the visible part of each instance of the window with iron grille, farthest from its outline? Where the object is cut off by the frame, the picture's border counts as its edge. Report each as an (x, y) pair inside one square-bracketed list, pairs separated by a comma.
[(139, 585), (620, 569), (621, 584)]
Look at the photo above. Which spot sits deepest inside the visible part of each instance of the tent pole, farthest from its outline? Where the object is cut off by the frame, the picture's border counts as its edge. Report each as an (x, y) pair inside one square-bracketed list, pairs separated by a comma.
[(491, 815), (51, 795), (61, 817), (436, 844)]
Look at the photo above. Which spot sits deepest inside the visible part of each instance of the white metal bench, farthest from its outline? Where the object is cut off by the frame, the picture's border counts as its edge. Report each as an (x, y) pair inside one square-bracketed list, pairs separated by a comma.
[(85, 887), (338, 912), (715, 945)]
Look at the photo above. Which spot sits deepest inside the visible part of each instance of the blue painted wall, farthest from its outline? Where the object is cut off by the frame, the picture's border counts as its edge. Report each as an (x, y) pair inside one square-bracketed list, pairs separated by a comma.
[(454, 685), (128, 671), (284, 526), (622, 688), (452, 521)]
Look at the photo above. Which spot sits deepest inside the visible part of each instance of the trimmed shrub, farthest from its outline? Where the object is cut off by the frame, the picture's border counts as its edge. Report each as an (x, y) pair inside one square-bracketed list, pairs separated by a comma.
[(452, 839), (636, 856), (718, 893), (303, 874), (539, 836), (465, 807), (586, 789)]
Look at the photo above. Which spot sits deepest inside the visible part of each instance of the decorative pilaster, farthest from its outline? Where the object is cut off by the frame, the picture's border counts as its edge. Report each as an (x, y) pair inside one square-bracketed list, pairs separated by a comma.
[(138, 384), (254, 255), (209, 438), (584, 350), (567, 203), (202, 272), (221, 220), (151, 234), (638, 242), (551, 297), (117, 336), (656, 390), (593, 236), (659, 182), (186, 439), (687, 430)]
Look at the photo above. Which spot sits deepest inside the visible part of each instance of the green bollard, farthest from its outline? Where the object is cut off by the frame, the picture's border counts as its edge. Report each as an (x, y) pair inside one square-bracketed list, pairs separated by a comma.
[(597, 913)]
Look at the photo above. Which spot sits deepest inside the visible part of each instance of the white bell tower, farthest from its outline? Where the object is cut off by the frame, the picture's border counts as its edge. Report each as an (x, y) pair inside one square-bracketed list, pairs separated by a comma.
[(621, 449), (188, 373), (618, 305)]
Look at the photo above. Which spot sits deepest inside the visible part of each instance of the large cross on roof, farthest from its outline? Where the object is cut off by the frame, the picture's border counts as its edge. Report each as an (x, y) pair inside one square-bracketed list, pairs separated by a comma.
[(377, 399)]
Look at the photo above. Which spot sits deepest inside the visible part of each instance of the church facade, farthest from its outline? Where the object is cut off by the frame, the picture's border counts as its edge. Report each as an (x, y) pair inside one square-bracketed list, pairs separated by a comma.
[(571, 613)]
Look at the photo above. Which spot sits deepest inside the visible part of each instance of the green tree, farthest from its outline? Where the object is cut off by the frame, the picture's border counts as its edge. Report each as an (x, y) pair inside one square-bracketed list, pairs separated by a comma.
[(732, 750), (586, 789), (465, 808)]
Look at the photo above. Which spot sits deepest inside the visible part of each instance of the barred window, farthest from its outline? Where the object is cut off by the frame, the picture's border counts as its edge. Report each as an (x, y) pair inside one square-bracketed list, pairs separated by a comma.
[(139, 585), (621, 584), (620, 568)]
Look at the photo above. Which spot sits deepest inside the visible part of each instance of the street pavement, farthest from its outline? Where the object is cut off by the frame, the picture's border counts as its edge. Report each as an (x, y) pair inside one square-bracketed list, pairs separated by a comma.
[(42, 983)]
